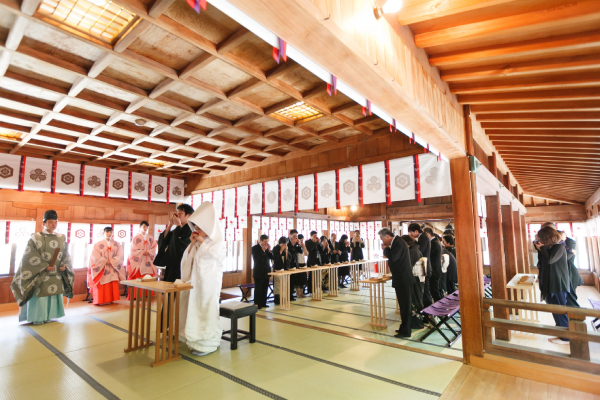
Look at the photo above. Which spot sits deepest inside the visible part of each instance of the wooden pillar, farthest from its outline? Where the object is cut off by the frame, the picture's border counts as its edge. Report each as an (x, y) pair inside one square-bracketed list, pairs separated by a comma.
[(470, 272), (510, 252), (518, 232), (525, 240), (39, 219), (247, 268), (493, 164), (497, 264)]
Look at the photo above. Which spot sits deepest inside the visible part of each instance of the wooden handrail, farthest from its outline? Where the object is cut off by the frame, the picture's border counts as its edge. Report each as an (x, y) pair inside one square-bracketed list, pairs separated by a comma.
[(551, 308), (541, 329)]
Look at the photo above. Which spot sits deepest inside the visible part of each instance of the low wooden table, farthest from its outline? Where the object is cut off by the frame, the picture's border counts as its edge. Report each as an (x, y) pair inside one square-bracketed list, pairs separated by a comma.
[(524, 292), (140, 308), (377, 299), (234, 311)]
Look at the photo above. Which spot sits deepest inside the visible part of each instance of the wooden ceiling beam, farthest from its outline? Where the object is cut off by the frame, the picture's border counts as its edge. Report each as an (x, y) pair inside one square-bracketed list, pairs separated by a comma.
[(595, 176), (29, 7), (419, 11), (572, 125), (159, 7), (544, 47), (200, 62), (577, 12), (566, 148), (234, 40), (564, 81), (543, 156), (541, 116), (15, 34), (529, 140), (282, 104), (282, 69), (553, 197), (533, 134), (244, 88), (133, 32), (525, 68), (574, 105), (529, 96), (535, 160)]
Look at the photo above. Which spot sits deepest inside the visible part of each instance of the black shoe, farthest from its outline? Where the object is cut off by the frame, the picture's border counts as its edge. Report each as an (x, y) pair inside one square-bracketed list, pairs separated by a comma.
[(417, 325), (342, 287), (260, 307), (293, 299), (401, 336)]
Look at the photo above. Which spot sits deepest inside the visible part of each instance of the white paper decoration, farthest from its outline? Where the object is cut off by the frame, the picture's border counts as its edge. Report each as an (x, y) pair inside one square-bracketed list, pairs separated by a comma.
[(118, 184), (229, 210), (373, 180), (21, 231), (80, 233), (158, 229), (218, 203), (122, 233), (139, 186), (38, 174), (272, 197), (349, 186), (94, 181), (402, 179), (434, 177), (306, 192), (288, 194), (327, 191), (68, 178), (242, 201), (176, 194), (159, 189), (256, 198)]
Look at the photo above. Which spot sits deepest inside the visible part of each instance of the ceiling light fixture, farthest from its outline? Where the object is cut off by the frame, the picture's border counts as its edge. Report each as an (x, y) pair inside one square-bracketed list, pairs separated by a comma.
[(390, 7), (140, 122)]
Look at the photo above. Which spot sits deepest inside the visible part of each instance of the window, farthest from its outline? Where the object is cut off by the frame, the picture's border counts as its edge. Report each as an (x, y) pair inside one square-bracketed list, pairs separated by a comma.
[(5, 260)]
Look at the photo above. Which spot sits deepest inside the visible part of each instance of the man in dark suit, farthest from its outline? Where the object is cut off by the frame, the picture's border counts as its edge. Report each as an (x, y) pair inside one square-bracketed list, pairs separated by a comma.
[(261, 254), (414, 231), (314, 255), (397, 253), (435, 261), (172, 243)]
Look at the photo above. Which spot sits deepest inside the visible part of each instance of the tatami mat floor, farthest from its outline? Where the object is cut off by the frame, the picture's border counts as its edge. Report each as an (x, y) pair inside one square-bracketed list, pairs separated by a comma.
[(81, 357)]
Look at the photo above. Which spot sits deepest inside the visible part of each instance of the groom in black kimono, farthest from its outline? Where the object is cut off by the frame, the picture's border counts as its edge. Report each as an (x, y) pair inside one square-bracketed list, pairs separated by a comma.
[(172, 243), (397, 253)]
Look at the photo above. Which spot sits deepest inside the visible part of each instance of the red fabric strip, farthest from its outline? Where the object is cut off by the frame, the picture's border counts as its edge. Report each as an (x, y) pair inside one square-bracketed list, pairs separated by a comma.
[(150, 190), (22, 173), (69, 233), (235, 212), (130, 179), (263, 198), (169, 192), (388, 193), (316, 194), (8, 231), (279, 196), (82, 180), (417, 178), (53, 184), (296, 196), (337, 189), (360, 186), (107, 183)]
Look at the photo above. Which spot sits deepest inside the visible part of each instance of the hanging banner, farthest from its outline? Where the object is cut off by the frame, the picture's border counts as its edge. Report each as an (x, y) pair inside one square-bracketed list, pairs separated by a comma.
[(177, 191), (67, 178), (38, 175), (256, 198), (326, 193), (139, 188), (118, 184), (435, 176), (229, 210), (373, 183), (288, 194), (402, 182), (20, 231), (10, 167), (80, 233), (94, 180), (265, 224), (290, 224), (306, 196), (349, 186), (159, 188), (242, 201), (218, 203), (271, 197), (122, 233), (98, 232), (242, 222)]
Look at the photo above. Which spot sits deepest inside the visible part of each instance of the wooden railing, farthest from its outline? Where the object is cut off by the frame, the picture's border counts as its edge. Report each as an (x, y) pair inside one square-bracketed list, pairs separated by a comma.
[(579, 356)]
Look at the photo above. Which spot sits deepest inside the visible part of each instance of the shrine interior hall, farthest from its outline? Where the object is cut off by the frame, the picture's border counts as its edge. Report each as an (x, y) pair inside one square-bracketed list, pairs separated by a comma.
[(481, 117)]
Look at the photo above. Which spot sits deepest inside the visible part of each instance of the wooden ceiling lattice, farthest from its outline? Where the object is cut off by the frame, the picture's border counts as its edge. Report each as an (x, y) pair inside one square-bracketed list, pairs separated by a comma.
[(207, 88), (530, 72)]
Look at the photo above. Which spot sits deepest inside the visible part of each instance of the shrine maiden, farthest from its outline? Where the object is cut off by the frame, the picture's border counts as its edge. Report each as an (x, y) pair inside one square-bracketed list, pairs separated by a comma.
[(37, 286), (141, 258), (106, 269), (202, 264)]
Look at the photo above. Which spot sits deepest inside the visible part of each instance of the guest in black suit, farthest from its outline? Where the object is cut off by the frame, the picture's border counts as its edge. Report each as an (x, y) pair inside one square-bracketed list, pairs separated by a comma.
[(314, 255), (297, 252), (417, 289), (415, 231), (335, 254), (397, 253), (451, 270), (261, 253), (344, 248), (282, 261), (357, 245), (435, 260)]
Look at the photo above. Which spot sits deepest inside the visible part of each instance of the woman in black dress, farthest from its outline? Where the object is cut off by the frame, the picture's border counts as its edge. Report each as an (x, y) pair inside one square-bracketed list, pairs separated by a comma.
[(344, 248), (451, 267), (325, 252)]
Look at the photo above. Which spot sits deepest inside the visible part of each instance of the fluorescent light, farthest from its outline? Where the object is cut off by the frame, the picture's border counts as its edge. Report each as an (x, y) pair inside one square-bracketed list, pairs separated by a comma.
[(392, 6)]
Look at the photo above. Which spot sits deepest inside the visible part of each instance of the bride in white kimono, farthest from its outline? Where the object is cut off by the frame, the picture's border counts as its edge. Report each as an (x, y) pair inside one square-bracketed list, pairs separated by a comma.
[(202, 264)]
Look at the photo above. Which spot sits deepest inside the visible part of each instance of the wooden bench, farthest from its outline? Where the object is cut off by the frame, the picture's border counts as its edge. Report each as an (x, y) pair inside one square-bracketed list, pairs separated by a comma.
[(233, 311)]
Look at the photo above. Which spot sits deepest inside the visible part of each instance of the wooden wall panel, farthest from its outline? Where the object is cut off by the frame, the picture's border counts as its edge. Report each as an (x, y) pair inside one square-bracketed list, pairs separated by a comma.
[(560, 213)]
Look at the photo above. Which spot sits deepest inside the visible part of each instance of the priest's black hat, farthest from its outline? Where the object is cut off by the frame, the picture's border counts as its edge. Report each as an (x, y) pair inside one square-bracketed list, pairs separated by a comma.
[(50, 214)]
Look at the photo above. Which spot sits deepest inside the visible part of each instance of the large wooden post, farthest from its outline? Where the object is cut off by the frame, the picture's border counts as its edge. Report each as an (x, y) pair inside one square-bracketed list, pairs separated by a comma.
[(510, 251), (525, 240), (470, 272), (497, 264), (518, 232)]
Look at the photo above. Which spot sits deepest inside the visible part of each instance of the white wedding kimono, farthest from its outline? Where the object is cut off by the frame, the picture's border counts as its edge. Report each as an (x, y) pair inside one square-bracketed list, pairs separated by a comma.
[(202, 264)]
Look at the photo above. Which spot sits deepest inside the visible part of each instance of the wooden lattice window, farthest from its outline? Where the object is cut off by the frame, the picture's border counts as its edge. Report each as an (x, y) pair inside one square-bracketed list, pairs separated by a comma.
[(101, 19)]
